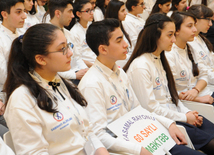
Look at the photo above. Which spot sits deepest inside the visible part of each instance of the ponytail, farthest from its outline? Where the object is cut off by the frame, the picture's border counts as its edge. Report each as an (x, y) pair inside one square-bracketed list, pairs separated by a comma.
[(170, 79), (18, 69), (36, 41), (195, 70)]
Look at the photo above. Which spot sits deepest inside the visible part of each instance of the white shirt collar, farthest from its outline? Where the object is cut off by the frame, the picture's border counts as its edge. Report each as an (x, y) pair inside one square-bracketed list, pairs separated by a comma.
[(105, 70)]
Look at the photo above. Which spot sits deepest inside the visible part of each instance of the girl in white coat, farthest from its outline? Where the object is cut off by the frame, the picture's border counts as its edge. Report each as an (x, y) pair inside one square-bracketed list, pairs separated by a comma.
[(44, 112), (153, 84), (31, 19), (201, 45), (190, 74), (100, 10), (83, 12), (116, 9)]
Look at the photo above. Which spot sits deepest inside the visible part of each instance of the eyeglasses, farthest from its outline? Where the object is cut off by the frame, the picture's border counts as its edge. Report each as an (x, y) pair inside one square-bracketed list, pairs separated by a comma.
[(93, 3), (88, 11), (65, 49), (142, 4), (209, 19)]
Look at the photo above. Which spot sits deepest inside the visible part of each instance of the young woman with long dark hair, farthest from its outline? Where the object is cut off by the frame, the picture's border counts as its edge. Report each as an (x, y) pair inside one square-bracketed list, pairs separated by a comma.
[(189, 73), (201, 45), (83, 12), (162, 6), (153, 83), (44, 112), (116, 9), (100, 9)]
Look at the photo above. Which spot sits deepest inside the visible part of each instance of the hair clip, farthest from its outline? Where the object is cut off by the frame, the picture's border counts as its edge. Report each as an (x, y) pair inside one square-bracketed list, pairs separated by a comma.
[(20, 38)]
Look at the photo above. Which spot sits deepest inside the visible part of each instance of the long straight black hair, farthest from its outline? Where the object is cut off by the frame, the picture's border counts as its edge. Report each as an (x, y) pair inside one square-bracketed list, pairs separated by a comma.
[(202, 11), (156, 8), (179, 18), (147, 43), (112, 12), (35, 41)]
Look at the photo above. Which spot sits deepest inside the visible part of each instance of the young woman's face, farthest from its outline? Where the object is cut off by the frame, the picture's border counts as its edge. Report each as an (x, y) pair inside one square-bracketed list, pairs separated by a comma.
[(28, 5), (203, 25), (165, 7), (187, 30), (167, 37), (122, 13), (41, 2), (56, 61), (93, 3), (140, 7), (182, 5), (86, 12)]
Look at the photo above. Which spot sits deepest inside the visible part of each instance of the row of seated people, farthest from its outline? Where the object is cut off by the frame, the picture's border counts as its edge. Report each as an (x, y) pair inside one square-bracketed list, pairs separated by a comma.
[(185, 73)]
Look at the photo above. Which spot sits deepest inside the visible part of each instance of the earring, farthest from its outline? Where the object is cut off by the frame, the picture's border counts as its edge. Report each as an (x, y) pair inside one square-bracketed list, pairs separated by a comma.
[(44, 63)]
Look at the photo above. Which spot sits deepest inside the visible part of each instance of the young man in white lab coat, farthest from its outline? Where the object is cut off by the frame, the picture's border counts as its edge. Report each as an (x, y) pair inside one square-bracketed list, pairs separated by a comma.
[(109, 93), (61, 13)]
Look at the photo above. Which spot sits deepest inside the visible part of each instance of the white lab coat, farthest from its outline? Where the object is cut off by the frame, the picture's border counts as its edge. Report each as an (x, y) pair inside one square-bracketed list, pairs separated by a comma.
[(6, 39), (106, 91), (76, 60), (149, 82), (133, 25), (29, 21), (203, 54), (78, 37), (98, 14), (40, 13), (181, 68), (35, 131)]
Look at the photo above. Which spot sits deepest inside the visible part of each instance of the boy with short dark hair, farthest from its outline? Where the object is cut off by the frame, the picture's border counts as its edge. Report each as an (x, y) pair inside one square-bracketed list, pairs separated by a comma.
[(109, 93)]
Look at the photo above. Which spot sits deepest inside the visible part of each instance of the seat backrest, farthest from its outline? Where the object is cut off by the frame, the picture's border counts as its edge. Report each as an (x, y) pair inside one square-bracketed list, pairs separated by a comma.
[(8, 140), (189, 142)]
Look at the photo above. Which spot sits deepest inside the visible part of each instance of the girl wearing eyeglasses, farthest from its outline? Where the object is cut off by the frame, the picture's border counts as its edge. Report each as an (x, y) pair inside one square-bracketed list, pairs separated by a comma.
[(116, 9), (189, 73), (201, 45), (44, 112), (83, 12), (162, 6)]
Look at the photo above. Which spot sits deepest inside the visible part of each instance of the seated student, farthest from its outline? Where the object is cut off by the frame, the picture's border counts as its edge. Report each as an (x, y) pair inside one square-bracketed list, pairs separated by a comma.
[(83, 13), (201, 45), (161, 6), (40, 9), (154, 86), (180, 5), (190, 78), (134, 24), (116, 9), (31, 19), (100, 9), (104, 80), (48, 110), (210, 33), (61, 13), (13, 17)]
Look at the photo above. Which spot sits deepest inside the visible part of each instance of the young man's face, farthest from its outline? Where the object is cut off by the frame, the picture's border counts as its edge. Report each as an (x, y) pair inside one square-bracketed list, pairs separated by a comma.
[(16, 17), (117, 48), (66, 15)]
